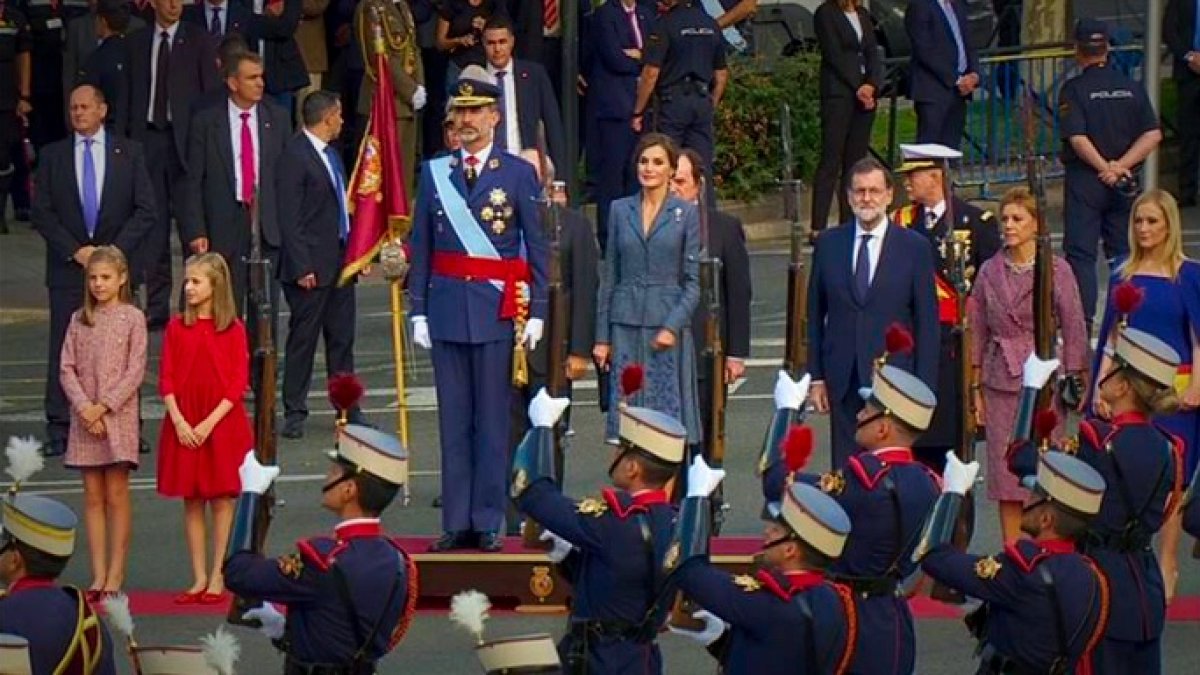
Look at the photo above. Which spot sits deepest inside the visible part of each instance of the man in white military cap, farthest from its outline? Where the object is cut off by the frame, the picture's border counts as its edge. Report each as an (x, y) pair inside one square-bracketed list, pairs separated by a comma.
[(358, 571), (622, 536), (64, 633), (1045, 605)]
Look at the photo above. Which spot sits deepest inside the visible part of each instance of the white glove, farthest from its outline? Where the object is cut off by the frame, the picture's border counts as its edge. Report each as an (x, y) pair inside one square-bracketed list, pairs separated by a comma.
[(958, 477), (714, 627), (789, 393), (703, 479), (1037, 372), (561, 547), (421, 332), (270, 618), (255, 477), (544, 410), (419, 98), (533, 333)]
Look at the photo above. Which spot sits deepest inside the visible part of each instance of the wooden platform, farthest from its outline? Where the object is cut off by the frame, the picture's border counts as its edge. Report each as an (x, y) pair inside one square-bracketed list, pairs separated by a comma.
[(524, 579)]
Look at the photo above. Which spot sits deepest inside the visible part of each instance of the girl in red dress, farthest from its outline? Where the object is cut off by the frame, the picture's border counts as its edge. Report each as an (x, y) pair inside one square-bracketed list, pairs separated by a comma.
[(204, 372)]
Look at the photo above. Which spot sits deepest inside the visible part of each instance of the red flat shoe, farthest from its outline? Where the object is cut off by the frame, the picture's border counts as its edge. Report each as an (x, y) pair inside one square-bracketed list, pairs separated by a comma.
[(93, 595), (212, 598), (189, 598)]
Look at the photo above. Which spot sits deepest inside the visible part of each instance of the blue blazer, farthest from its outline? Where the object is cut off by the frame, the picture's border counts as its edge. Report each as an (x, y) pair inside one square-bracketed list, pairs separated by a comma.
[(465, 311), (846, 333), (934, 61), (307, 207), (653, 281), (612, 82)]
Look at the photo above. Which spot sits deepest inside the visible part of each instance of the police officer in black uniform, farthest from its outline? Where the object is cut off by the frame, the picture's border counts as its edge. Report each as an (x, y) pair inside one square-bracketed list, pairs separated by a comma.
[(1108, 129), (48, 23), (684, 70), (107, 67), (14, 92)]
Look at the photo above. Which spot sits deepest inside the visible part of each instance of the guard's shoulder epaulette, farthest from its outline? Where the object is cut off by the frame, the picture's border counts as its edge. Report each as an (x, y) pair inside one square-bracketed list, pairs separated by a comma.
[(591, 506), (1024, 553), (1094, 433), (868, 468)]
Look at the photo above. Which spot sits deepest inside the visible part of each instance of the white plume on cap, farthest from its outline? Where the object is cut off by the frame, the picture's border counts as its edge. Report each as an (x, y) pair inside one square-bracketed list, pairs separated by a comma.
[(116, 612), (469, 610), (24, 458), (221, 650)]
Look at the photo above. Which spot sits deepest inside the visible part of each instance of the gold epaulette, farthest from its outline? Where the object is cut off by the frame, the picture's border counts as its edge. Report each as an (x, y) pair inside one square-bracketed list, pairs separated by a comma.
[(833, 482), (987, 568), (747, 583), (590, 506), (290, 565)]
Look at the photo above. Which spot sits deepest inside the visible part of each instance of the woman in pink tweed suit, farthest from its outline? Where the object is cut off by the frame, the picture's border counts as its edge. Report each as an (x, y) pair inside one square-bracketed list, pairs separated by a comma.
[(1001, 317), (103, 361)]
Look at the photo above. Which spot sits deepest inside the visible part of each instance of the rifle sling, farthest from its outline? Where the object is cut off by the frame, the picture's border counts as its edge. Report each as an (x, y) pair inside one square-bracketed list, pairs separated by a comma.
[(343, 588)]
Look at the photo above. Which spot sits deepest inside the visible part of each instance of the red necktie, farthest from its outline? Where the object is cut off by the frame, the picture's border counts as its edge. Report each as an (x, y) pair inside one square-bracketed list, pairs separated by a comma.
[(247, 160), (550, 14)]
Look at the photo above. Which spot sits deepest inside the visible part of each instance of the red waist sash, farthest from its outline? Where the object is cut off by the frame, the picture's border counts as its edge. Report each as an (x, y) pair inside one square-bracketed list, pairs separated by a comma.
[(511, 271)]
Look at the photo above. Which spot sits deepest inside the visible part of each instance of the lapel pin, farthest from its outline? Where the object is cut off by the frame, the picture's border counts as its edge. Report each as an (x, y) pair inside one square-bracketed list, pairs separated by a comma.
[(493, 163)]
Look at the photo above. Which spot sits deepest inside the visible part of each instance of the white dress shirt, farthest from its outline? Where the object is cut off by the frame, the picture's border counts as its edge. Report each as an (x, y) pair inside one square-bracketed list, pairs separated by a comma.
[(512, 126), (98, 156), (171, 31), (482, 156), (235, 137), (222, 17), (874, 245), (320, 147)]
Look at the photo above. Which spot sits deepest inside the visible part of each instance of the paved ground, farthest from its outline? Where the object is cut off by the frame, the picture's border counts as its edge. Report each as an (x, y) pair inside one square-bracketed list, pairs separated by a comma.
[(158, 563)]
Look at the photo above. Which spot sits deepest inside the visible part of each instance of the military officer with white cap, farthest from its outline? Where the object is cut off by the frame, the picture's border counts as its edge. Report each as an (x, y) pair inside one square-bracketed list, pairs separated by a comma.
[(620, 587), (887, 495), (523, 655), (1045, 604), (1142, 465), (350, 595), (64, 633), (766, 623)]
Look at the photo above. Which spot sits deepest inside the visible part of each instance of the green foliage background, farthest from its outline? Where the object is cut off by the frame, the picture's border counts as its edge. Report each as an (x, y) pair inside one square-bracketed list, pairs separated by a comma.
[(749, 155)]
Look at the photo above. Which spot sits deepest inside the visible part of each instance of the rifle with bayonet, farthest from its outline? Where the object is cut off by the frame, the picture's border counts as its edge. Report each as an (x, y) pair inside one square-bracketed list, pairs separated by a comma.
[(795, 352), (259, 268), (713, 356)]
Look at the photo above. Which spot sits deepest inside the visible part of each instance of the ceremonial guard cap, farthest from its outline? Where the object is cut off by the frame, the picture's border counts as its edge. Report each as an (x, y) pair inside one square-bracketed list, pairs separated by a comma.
[(14, 655), (902, 395), (523, 655), (372, 451), (1070, 482), (174, 660), (654, 433), (1147, 355), (41, 523), (815, 517)]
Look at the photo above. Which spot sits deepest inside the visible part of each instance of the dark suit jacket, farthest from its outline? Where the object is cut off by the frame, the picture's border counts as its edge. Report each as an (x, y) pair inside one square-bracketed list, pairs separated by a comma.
[(845, 332), (210, 207), (193, 70), (536, 103), (934, 61), (580, 278), (126, 206), (844, 57), (78, 44), (107, 68), (283, 64), (612, 82), (1179, 27), (727, 241), (308, 215), (237, 17)]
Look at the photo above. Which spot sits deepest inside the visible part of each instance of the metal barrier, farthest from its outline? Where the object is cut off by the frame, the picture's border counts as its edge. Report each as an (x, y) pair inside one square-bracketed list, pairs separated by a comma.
[(995, 140)]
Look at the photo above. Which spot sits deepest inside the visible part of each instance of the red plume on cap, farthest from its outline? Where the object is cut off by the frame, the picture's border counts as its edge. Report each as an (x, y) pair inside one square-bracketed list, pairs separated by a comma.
[(897, 339), (1127, 297), (632, 378), (345, 391), (1044, 424), (797, 447)]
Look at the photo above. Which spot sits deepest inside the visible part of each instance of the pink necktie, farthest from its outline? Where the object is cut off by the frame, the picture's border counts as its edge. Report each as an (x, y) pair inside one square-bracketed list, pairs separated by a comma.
[(633, 23), (247, 160)]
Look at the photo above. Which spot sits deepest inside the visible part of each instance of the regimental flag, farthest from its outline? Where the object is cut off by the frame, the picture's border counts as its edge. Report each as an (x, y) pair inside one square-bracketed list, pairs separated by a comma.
[(377, 200)]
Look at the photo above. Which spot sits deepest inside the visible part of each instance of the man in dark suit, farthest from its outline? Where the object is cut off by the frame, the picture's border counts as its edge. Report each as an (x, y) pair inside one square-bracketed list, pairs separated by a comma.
[(107, 66), (944, 69), (618, 33), (725, 240), (313, 226), (166, 74), (92, 189), (528, 108), (866, 275), (1181, 32), (81, 40), (233, 153), (220, 17), (272, 35)]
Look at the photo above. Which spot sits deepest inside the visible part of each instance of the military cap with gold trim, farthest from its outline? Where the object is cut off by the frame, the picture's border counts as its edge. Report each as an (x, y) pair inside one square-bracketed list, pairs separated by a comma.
[(1148, 355), (474, 89), (375, 452), (654, 433), (918, 156), (41, 523), (1070, 482), (523, 655), (14, 655), (173, 660), (902, 395), (815, 517)]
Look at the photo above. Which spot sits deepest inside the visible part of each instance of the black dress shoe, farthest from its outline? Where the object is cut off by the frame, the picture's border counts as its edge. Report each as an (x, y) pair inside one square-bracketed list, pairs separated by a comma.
[(55, 448), (490, 542), (293, 429), (452, 541)]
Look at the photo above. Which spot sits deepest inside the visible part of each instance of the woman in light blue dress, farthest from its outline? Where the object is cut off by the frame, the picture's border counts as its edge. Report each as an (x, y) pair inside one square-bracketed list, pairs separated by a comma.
[(649, 290)]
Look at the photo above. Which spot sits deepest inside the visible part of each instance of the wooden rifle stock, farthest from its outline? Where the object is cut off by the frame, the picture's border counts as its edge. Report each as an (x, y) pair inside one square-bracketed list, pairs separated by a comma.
[(1044, 328), (264, 396), (795, 352)]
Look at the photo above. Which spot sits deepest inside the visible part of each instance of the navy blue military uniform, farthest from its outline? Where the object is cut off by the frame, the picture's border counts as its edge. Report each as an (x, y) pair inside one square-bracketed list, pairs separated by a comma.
[(1033, 590), (616, 574), (50, 617), (1142, 467), (14, 40), (686, 45), (107, 69), (887, 495), (1112, 110), (346, 594)]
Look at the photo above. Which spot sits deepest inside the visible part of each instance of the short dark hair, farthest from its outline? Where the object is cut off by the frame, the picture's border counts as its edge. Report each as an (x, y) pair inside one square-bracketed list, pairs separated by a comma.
[(655, 471), (500, 21), (317, 105), (374, 493), (812, 557), (868, 165), (695, 160), (655, 139), (236, 59), (1068, 523), (39, 563), (231, 44), (115, 14)]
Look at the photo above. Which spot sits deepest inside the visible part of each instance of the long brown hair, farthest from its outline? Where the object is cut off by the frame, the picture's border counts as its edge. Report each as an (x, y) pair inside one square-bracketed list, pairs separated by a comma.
[(1169, 208), (104, 255), (224, 311)]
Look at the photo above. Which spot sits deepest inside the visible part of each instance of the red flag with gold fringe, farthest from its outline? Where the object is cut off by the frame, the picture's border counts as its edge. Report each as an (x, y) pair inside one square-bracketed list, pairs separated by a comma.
[(377, 199)]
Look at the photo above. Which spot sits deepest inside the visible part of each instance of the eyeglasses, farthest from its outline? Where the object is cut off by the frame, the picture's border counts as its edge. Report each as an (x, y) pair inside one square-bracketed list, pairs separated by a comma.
[(868, 192)]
